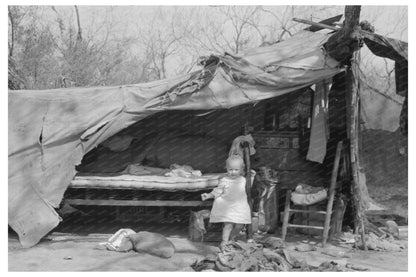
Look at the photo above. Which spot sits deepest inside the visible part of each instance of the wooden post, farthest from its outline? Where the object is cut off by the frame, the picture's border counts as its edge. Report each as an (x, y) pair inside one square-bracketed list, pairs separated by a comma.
[(342, 46), (357, 191), (246, 147)]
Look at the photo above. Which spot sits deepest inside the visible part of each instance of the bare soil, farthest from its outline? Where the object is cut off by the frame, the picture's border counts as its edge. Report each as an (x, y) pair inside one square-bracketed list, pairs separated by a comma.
[(386, 170), (74, 252)]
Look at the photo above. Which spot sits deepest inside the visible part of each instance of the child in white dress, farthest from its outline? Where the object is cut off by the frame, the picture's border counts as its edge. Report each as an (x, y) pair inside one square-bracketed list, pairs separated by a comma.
[(230, 204)]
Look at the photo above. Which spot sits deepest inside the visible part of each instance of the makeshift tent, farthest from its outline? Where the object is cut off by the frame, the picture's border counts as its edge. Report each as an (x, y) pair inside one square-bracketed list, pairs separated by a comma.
[(51, 130)]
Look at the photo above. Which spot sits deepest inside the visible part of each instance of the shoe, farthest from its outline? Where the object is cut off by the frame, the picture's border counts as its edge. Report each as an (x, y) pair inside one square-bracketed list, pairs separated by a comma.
[(224, 246)]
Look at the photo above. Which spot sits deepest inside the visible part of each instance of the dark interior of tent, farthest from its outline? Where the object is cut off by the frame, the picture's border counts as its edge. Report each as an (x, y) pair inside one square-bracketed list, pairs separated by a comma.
[(202, 139)]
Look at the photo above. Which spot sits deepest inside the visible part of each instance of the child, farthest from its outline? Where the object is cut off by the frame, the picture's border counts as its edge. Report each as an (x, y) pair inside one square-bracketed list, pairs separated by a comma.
[(230, 204)]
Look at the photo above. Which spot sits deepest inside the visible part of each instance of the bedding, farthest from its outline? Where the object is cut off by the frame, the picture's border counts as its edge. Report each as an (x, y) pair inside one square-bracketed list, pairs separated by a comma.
[(146, 182)]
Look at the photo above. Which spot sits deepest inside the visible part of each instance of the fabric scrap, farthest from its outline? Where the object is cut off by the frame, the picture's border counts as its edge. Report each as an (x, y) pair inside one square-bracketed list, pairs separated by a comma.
[(237, 149)]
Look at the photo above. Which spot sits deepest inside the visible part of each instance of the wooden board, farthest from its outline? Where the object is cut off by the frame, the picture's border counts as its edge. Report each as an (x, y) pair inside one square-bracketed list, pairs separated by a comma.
[(164, 203)]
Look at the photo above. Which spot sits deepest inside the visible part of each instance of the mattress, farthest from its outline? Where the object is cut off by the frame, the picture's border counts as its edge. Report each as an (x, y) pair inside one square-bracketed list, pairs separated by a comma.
[(147, 182)]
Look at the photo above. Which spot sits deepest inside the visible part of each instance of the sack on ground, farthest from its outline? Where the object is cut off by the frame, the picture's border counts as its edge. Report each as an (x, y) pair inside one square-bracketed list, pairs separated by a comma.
[(152, 243)]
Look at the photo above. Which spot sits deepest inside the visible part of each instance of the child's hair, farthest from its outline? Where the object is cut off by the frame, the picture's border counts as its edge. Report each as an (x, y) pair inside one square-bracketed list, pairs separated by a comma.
[(235, 158)]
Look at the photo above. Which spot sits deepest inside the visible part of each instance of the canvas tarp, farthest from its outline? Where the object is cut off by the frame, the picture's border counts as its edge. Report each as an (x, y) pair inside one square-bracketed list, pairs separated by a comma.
[(389, 113), (51, 130)]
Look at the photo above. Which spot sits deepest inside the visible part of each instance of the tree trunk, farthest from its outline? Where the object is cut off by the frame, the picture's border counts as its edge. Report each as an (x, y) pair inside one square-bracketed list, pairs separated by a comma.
[(11, 44), (342, 44), (79, 35), (359, 190)]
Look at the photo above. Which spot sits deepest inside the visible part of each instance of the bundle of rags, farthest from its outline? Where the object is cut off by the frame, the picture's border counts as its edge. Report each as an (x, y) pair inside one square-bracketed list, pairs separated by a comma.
[(241, 256), (251, 256), (126, 240), (384, 238)]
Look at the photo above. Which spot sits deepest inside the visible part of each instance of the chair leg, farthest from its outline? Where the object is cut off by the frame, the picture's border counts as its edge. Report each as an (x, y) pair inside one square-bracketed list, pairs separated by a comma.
[(286, 214)]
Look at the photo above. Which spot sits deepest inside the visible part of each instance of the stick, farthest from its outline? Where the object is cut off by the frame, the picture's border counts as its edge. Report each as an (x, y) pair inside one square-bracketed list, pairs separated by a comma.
[(248, 180), (316, 24), (248, 186), (328, 21)]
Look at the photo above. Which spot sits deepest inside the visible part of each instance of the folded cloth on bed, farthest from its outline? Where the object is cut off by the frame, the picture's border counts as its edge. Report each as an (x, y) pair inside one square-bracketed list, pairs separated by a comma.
[(185, 171)]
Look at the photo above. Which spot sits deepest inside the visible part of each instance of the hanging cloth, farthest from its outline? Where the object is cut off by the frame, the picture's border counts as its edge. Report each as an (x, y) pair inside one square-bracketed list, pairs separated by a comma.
[(320, 127)]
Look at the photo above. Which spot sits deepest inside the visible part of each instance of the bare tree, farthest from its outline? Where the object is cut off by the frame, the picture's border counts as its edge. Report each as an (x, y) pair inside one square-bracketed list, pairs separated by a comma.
[(79, 34), (16, 14), (102, 50)]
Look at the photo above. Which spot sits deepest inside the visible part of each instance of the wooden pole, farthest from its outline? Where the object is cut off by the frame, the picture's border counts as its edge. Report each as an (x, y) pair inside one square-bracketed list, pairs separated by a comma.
[(246, 148), (331, 193), (342, 46), (353, 107)]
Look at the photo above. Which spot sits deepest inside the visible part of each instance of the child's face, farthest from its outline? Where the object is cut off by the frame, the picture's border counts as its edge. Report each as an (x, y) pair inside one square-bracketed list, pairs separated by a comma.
[(234, 168)]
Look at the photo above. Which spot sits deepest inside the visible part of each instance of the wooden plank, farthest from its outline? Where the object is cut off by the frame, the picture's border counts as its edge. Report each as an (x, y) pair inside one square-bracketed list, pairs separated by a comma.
[(108, 187), (164, 203), (332, 186), (307, 211), (305, 226)]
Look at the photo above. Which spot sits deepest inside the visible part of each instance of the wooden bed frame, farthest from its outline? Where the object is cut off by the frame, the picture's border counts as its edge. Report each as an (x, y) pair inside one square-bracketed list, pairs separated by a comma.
[(161, 184)]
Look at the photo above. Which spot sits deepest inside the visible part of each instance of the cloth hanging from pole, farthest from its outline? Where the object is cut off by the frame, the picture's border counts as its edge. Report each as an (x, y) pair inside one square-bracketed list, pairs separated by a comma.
[(320, 127)]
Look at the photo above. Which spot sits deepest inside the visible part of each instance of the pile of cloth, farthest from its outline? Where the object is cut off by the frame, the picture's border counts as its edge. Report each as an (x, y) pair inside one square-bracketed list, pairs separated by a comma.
[(242, 256), (386, 238), (268, 255), (377, 243), (185, 171), (175, 170), (307, 195)]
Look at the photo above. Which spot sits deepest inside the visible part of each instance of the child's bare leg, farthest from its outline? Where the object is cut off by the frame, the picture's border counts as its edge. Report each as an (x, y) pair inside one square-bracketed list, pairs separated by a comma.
[(226, 231), (236, 230)]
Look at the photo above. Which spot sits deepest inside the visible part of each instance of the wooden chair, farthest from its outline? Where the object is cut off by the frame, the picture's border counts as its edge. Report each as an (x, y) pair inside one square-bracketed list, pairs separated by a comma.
[(328, 211)]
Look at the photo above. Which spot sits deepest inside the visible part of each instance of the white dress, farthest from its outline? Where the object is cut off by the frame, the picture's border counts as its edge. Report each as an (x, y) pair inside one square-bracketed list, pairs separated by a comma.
[(230, 204)]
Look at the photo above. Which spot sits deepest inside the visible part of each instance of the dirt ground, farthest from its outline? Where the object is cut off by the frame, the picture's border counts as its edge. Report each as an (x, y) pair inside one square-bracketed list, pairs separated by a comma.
[(82, 253), (386, 170)]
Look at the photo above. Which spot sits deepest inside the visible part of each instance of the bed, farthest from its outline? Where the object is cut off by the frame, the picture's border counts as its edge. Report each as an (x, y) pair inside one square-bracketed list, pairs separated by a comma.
[(146, 190)]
